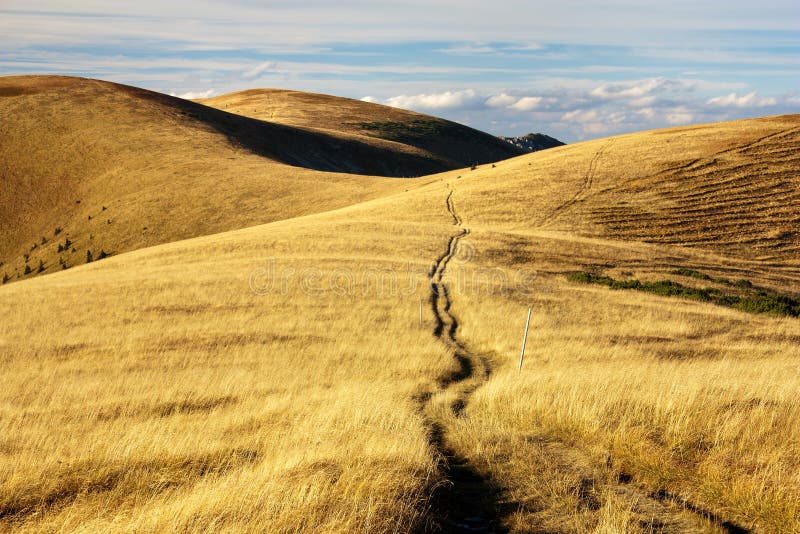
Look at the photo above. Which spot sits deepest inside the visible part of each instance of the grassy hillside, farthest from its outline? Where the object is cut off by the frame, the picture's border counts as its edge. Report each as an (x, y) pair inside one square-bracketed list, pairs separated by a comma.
[(280, 377), (449, 144), (113, 168)]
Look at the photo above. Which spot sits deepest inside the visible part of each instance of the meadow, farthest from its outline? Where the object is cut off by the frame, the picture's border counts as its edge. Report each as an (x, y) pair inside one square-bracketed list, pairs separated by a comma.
[(284, 377)]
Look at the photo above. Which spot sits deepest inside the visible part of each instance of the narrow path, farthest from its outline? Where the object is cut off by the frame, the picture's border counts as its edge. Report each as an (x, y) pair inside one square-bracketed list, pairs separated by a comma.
[(470, 503), (467, 502), (586, 185)]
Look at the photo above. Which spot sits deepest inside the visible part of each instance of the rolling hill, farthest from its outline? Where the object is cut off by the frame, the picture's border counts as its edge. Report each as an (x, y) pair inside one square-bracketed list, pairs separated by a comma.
[(449, 144), (357, 368), (101, 168)]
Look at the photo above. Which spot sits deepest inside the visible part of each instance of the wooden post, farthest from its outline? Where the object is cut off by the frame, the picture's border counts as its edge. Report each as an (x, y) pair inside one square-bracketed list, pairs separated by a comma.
[(524, 340)]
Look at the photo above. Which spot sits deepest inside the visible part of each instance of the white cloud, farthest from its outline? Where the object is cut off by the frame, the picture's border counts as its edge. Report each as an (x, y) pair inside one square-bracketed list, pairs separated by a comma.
[(247, 22), (596, 128), (448, 99), (258, 70), (596, 121), (647, 113), (522, 47), (679, 115), (527, 103), (579, 115), (636, 89), (502, 100), (641, 102), (371, 100), (750, 100), (469, 49), (193, 95), (492, 49)]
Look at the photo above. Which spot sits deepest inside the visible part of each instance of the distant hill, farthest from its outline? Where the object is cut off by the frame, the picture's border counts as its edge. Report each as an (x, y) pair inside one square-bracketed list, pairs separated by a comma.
[(533, 142), (446, 145), (93, 166), (730, 187)]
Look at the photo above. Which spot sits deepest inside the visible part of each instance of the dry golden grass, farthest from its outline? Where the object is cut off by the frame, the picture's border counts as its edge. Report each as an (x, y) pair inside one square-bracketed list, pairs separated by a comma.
[(642, 402), (728, 188), (159, 392), (155, 391), (666, 395)]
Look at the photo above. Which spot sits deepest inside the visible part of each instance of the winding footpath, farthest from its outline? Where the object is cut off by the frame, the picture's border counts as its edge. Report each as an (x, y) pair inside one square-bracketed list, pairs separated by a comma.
[(467, 502)]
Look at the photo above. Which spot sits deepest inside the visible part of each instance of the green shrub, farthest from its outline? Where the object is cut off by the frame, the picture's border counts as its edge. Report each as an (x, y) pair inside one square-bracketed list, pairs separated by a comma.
[(754, 302), (768, 302), (41, 267), (27, 270), (57, 230), (581, 277), (102, 254), (88, 256), (691, 273), (5, 278)]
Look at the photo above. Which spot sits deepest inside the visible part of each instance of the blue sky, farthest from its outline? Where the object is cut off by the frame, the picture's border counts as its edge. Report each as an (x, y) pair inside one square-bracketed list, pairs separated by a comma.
[(575, 70)]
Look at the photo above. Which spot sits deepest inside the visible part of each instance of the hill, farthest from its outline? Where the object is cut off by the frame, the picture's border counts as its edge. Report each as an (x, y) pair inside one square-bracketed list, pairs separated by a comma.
[(446, 144), (105, 168), (729, 188), (358, 369), (533, 142)]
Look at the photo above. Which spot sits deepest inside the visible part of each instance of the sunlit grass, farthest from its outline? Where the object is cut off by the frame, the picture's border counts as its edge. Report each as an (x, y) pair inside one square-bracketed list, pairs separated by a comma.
[(157, 391)]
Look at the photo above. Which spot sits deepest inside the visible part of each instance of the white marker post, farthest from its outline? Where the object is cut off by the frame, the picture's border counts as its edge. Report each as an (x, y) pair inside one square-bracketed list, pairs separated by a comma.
[(524, 340)]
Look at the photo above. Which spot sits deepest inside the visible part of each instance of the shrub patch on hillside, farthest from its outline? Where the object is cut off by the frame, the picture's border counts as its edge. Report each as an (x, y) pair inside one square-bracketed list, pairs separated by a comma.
[(414, 130), (749, 299)]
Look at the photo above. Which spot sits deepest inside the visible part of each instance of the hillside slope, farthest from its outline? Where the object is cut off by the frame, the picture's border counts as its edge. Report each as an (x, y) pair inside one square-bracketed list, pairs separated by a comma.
[(113, 168), (449, 144), (732, 188), (318, 374)]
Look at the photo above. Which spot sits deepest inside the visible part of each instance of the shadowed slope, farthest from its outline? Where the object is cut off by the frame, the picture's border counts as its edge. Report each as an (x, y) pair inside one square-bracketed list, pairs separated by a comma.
[(449, 145), (113, 168)]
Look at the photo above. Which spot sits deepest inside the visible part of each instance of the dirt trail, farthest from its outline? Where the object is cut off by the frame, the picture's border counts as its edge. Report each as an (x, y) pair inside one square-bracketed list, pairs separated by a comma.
[(467, 502), (585, 186)]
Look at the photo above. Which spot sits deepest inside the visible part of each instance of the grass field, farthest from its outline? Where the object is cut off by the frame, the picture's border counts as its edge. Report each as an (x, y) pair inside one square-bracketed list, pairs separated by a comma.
[(171, 396), (105, 168), (280, 377)]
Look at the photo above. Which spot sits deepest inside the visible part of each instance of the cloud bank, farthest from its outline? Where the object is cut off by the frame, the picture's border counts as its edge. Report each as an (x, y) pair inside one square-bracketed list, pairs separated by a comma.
[(572, 69), (581, 111)]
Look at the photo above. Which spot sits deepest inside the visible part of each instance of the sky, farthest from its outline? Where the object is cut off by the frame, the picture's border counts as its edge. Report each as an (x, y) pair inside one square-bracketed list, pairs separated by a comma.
[(574, 70)]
